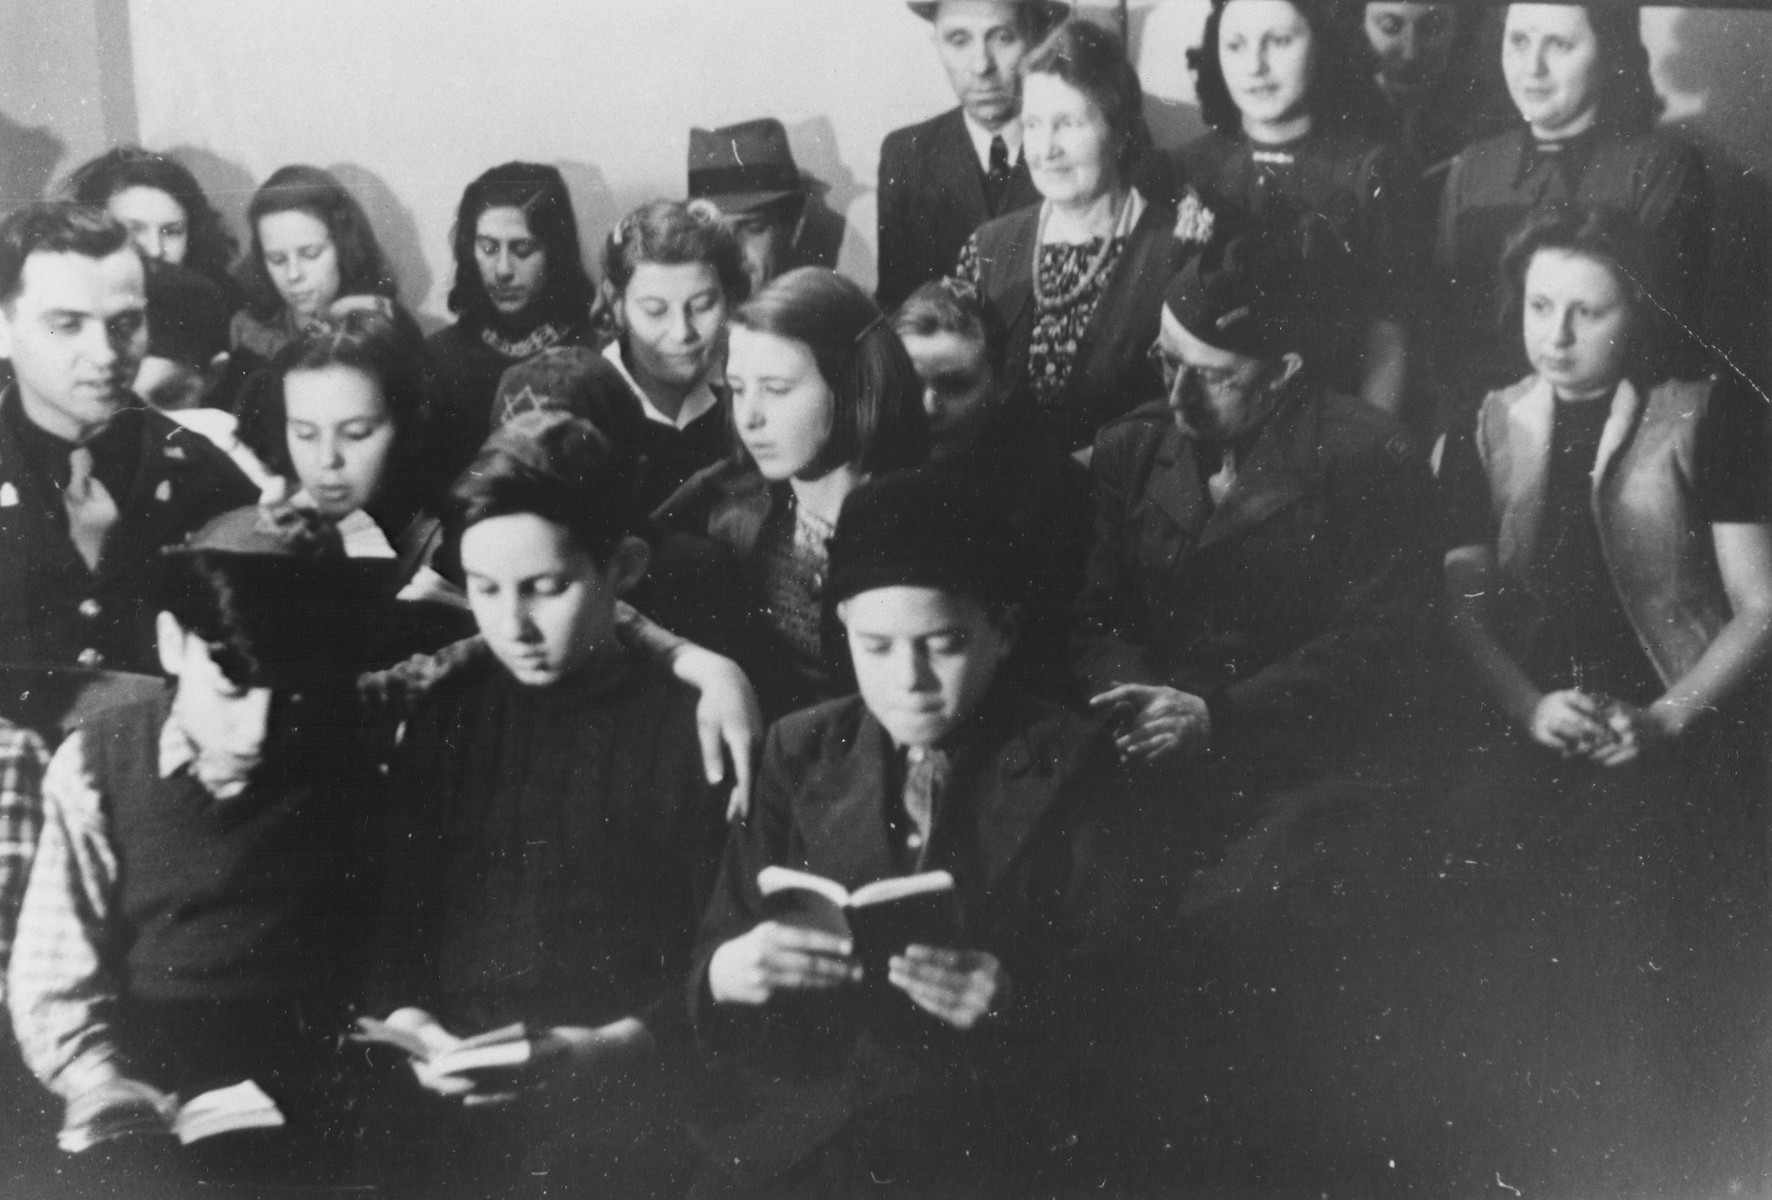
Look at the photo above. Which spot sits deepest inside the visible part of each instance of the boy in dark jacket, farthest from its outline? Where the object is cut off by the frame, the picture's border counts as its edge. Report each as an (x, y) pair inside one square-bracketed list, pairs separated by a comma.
[(916, 1083)]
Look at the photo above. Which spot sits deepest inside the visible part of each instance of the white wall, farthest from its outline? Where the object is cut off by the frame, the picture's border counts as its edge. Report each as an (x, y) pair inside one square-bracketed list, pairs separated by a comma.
[(409, 99)]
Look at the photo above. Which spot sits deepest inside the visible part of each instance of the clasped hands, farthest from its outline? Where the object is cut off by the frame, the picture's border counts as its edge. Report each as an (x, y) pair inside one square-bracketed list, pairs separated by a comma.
[(959, 987), (1579, 724)]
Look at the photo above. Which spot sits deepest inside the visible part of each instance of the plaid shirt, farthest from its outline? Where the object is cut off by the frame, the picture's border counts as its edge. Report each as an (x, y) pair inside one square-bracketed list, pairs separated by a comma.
[(63, 988), (21, 821)]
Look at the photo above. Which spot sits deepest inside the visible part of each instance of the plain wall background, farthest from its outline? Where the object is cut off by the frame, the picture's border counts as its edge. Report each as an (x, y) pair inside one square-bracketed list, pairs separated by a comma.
[(409, 99)]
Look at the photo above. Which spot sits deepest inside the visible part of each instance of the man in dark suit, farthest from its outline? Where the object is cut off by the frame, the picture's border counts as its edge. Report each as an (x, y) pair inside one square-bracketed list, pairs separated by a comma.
[(93, 482), (945, 177)]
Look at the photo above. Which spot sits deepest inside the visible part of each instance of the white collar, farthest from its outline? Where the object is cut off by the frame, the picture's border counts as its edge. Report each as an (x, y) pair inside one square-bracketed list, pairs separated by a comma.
[(981, 139), (179, 753), (695, 405)]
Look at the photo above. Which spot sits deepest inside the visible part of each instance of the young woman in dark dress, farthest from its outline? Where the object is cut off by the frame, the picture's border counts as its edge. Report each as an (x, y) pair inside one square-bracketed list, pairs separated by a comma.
[(1586, 134), (520, 288), (1290, 110), (823, 397), (1610, 579)]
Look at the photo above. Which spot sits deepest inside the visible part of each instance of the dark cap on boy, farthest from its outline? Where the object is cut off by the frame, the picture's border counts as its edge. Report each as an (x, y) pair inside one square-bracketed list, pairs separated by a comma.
[(932, 526)]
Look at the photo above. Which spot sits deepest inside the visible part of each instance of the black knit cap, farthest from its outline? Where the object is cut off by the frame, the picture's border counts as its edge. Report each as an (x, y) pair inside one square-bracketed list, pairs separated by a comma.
[(187, 316), (1244, 295), (932, 526)]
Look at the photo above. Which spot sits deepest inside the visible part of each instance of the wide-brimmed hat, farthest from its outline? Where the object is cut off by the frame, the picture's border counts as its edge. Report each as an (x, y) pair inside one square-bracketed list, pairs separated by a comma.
[(1051, 11), (743, 167)]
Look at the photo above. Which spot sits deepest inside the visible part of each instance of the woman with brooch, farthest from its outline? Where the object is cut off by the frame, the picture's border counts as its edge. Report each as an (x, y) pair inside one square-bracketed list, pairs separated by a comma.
[(1078, 279)]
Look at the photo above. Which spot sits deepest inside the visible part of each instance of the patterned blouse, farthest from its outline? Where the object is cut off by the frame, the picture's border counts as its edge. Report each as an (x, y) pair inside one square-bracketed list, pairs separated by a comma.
[(790, 560), (1052, 345)]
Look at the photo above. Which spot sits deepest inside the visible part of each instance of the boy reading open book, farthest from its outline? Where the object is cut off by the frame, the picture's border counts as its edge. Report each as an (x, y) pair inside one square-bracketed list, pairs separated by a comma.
[(553, 835), (938, 765)]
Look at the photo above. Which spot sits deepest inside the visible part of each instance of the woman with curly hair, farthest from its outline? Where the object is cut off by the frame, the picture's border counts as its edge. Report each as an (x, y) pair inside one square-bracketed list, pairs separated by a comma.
[(1290, 107), (1586, 135), (520, 288), (163, 206)]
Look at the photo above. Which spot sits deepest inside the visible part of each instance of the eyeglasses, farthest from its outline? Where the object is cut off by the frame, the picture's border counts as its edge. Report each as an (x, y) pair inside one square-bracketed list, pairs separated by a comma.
[(1215, 379)]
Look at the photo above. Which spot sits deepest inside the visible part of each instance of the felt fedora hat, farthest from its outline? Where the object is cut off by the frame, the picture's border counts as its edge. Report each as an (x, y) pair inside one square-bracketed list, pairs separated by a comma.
[(743, 167), (1051, 12)]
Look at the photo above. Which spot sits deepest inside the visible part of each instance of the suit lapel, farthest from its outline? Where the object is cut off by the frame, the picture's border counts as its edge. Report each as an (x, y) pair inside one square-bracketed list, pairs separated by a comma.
[(958, 168), (1266, 483), (156, 511), (1175, 485), (843, 811), (28, 503), (1011, 793)]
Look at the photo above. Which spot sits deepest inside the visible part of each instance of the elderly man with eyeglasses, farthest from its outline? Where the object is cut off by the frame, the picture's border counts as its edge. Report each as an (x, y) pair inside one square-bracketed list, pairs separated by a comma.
[(1262, 563)]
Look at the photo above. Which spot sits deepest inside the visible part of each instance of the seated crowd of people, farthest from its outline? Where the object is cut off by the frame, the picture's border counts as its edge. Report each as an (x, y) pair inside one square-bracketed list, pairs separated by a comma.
[(1260, 723)]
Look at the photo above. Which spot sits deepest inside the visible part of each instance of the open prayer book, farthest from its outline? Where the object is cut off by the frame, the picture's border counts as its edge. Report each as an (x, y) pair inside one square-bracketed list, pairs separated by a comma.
[(881, 918), (421, 1038), (232, 1109)]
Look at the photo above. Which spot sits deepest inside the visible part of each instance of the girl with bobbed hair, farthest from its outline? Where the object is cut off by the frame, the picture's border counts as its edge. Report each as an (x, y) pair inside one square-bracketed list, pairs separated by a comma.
[(345, 414), (1290, 105), (313, 254), (823, 396), (1585, 134), (520, 288), (1609, 578), (1077, 280), (164, 208)]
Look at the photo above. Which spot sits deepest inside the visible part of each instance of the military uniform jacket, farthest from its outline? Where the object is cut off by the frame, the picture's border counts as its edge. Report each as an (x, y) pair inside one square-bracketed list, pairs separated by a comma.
[(931, 199), (1294, 605), (55, 611)]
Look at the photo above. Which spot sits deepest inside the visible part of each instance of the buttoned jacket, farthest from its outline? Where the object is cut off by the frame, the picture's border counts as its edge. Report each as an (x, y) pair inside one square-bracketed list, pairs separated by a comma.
[(56, 611)]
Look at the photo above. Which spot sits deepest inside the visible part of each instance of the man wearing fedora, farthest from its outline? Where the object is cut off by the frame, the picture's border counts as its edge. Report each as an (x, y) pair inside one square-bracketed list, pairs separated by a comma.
[(748, 171), (943, 178)]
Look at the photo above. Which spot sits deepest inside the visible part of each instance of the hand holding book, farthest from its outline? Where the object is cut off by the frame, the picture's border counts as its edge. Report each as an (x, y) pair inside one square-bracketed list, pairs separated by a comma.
[(960, 987)]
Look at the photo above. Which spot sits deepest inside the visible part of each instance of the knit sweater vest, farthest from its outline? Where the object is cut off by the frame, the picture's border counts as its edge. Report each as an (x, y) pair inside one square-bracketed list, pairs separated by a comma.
[(253, 896)]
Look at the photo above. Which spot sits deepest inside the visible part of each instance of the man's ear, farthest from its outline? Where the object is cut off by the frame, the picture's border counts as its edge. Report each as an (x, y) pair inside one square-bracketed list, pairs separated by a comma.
[(1291, 363), (628, 563), (169, 640), (6, 313)]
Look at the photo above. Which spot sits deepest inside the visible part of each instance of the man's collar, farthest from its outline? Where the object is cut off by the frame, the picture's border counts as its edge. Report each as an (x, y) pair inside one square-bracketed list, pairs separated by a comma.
[(179, 753), (981, 139), (695, 405)]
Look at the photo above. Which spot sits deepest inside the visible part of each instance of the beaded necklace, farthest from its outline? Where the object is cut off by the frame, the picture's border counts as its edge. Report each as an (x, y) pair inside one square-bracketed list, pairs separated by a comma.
[(1050, 304)]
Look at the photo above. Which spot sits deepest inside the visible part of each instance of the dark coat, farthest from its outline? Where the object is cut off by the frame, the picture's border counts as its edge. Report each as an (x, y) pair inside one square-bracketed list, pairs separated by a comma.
[(1021, 828), (1293, 607), (1111, 371), (55, 611), (931, 199)]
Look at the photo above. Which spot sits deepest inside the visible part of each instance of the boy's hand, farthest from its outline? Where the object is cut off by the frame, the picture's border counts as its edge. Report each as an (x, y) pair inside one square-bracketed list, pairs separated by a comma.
[(1156, 722), (772, 958), (960, 987), (117, 1095)]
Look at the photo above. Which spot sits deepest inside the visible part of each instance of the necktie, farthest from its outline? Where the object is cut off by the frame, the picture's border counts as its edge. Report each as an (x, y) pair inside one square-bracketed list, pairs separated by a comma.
[(925, 775), (1221, 481), (997, 178), (91, 510)]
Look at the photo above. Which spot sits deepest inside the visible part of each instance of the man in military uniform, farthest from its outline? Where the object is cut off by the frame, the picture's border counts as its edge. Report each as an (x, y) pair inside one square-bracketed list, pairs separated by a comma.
[(93, 481)]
